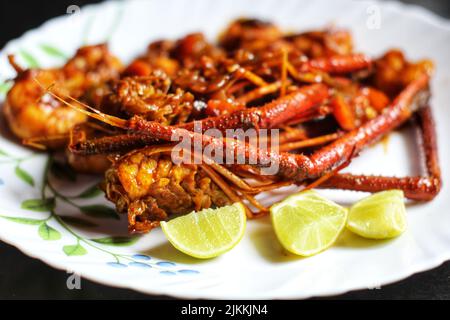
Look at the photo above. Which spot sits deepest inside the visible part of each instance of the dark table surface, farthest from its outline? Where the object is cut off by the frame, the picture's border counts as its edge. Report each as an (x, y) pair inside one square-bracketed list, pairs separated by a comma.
[(22, 277)]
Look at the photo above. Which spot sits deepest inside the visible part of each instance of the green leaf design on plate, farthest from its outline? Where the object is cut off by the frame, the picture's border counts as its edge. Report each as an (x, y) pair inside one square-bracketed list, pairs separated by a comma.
[(116, 22), (24, 176), (117, 241), (4, 87), (78, 222), (91, 192), (3, 153), (87, 29), (39, 204), (74, 250), (63, 171), (29, 59), (53, 51), (48, 233), (99, 211), (23, 220)]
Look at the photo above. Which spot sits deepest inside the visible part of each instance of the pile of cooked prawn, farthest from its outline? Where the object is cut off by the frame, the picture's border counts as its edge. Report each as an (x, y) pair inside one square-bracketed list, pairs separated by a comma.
[(113, 119)]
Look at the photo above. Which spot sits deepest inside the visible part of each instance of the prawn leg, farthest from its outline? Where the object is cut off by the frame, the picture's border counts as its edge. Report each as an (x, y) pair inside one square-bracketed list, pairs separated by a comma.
[(296, 167), (421, 188), (290, 108)]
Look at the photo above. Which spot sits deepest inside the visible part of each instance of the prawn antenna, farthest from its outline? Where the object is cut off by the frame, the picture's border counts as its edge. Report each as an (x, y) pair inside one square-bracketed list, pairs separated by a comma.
[(80, 106)]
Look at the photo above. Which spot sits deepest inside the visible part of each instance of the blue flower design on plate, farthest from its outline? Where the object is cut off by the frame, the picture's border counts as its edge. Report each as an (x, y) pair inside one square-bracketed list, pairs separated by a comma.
[(188, 271), (141, 257), (139, 264), (165, 264), (116, 265)]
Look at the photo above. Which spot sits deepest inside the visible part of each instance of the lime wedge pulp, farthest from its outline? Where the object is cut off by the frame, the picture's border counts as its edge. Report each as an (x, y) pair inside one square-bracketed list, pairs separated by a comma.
[(306, 223), (207, 233), (379, 216)]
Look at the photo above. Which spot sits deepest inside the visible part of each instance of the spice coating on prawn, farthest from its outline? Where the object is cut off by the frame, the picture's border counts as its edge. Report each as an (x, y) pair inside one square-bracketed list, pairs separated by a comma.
[(288, 109), (255, 77), (150, 188), (31, 113)]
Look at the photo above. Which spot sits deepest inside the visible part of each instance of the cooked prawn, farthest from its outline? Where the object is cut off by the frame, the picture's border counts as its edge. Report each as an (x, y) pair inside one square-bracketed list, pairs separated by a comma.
[(31, 113)]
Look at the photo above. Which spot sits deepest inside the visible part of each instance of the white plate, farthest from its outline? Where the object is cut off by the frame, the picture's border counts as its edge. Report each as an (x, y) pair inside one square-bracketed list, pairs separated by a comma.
[(257, 267)]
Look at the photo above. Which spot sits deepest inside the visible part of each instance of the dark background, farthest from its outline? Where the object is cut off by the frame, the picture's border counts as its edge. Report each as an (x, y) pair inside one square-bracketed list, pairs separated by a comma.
[(22, 277)]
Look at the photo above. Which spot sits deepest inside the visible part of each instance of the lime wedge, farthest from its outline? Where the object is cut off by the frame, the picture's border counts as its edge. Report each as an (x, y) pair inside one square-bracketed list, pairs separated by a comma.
[(307, 223), (207, 233), (379, 216)]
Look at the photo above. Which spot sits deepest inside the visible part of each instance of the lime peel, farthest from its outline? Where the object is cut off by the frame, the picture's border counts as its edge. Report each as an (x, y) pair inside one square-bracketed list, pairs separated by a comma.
[(379, 216), (307, 223), (207, 233)]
